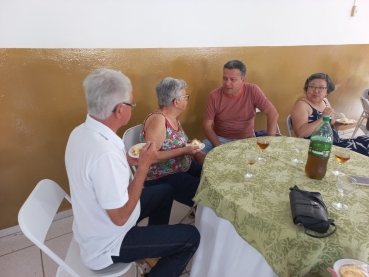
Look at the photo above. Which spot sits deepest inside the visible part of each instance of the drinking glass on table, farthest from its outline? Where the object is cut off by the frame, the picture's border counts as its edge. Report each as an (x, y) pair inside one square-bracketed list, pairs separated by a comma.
[(250, 158), (345, 185), (342, 155), (262, 143), (300, 145)]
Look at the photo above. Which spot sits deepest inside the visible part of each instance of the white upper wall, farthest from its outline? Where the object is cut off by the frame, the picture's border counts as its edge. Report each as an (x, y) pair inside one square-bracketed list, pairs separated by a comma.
[(180, 23)]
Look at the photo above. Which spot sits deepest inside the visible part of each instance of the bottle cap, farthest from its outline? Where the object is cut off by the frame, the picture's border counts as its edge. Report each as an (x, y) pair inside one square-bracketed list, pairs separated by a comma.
[(326, 118)]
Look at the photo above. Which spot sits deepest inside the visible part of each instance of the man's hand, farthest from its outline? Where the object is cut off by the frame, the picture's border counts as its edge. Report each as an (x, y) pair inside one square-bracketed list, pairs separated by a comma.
[(148, 154), (132, 161)]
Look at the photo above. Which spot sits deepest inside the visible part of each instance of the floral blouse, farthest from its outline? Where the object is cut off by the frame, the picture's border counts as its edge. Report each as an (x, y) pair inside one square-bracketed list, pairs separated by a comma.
[(174, 139)]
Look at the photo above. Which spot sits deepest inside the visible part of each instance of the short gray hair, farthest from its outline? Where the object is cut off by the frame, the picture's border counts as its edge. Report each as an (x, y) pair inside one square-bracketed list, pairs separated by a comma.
[(169, 89), (236, 64), (104, 89)]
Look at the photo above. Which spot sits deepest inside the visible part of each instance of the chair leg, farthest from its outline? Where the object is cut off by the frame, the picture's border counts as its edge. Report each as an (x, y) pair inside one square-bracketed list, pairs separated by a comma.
[(358, 125), (138, 269)]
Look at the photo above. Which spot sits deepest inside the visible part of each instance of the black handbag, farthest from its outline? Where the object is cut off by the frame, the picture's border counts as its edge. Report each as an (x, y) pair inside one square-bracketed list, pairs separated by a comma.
[(309, 211)]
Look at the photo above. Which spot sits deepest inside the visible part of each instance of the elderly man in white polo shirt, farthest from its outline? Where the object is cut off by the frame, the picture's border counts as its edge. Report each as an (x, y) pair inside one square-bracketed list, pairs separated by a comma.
[(107, 200)]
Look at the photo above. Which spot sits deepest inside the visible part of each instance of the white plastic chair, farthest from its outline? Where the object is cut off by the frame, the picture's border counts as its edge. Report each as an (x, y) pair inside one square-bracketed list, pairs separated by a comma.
[(131, 137), (289, 125), (364, 115), (35, 217), (365, 93), (278, 130)]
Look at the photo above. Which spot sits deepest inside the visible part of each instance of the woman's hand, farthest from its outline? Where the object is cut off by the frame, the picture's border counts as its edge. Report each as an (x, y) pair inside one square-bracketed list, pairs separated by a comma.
[(191, 150), (328, 111)]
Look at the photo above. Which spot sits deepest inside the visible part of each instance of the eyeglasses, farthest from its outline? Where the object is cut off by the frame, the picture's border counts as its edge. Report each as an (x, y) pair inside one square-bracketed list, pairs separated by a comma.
[(133, 105), (320, 89), (187, 97)]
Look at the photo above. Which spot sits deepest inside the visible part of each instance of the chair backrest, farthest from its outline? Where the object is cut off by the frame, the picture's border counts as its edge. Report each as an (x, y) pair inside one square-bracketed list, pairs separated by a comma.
[(365, 104), (35, 218), (131, 136), (289, 125), (37, 213), (278, 130), (365, 93)]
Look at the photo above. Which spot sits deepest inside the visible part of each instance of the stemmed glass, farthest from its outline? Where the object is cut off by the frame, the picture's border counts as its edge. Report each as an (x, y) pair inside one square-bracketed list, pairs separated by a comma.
[(345, 185), (251, 158), (342, 155), (300, 145), (262, 143)]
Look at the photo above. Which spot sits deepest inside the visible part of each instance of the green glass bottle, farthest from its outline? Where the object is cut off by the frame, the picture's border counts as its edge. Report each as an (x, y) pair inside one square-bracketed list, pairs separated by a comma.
[(319, 150)]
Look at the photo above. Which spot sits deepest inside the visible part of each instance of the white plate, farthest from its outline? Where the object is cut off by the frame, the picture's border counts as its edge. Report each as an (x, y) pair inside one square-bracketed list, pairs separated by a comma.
[(201, 145), (342, 262), (130, 150), (351, 121)]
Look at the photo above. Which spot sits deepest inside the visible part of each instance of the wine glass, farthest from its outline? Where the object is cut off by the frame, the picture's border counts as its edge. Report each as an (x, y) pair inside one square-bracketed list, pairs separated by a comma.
[(262, 143), (300, 145), (251, 158), (345, 185), (342, 155)]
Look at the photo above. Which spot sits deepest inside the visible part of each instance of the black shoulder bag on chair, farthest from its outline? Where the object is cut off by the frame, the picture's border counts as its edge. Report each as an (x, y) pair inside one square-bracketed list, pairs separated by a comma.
[(309, 211)]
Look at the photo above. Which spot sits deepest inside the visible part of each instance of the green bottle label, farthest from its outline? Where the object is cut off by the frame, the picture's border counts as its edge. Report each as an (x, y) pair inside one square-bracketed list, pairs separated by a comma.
[(320, 148)]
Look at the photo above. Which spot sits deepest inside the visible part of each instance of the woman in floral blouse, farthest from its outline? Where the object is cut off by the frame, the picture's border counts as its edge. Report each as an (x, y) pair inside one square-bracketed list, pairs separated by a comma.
[(174, 164)]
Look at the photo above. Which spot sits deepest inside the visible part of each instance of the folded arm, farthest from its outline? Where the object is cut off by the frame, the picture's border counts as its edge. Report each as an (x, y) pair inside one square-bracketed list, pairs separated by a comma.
[(300, 116)]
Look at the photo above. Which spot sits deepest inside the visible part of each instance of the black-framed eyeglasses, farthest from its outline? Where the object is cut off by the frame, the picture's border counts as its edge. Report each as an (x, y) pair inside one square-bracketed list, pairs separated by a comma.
[(187, 97), (132, 105), (320, 89)]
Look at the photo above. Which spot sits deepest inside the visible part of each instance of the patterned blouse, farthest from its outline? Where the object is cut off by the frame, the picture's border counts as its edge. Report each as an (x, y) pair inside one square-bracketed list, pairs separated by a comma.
[(174, 139)]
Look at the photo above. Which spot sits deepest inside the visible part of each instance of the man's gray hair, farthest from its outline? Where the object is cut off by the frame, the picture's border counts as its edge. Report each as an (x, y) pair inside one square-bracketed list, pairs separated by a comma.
[(104, 90), (169, 89), (236, 64)]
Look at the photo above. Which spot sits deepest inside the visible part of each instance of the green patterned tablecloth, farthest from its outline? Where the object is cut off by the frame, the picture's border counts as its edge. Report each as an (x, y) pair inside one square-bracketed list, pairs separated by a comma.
[(259, 208)]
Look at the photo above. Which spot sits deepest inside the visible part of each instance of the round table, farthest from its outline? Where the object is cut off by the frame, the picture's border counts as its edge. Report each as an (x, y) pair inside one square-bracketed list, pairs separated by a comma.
[(259, 208)]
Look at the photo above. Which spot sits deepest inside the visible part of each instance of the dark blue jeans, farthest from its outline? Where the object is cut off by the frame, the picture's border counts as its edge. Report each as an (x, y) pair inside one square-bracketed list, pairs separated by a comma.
[(175, 244), (185, 184)]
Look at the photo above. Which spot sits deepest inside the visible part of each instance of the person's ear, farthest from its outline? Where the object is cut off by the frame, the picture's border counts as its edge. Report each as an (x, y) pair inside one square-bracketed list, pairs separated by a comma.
[(118, 111)]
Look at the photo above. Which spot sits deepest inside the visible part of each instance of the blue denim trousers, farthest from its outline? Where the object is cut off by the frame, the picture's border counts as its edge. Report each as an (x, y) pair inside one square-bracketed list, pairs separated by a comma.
[(184, 184), (175, 244), (209, 146)]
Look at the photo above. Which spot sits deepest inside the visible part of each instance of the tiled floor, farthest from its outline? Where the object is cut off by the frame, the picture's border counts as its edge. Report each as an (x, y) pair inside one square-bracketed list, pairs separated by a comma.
[(19, 257)]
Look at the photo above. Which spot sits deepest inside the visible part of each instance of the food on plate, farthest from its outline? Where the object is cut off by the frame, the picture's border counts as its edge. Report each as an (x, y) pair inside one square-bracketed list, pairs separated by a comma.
[(352, 270), (344, 119), (136, 150), (195, 142)]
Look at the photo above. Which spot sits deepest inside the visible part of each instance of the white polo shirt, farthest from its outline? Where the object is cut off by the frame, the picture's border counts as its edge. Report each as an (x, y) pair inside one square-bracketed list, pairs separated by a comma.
[(99, 176)]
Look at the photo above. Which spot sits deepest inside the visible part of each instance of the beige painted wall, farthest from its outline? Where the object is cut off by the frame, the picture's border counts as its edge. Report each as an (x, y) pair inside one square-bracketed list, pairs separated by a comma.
[(41, 96)]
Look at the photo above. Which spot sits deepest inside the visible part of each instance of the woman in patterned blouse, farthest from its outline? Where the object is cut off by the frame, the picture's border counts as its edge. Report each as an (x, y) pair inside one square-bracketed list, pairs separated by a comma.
[(174, 164)]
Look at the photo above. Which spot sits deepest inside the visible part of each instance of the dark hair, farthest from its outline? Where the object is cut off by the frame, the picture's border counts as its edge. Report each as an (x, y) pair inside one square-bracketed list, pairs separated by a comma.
[(236, 64), (330, 85)]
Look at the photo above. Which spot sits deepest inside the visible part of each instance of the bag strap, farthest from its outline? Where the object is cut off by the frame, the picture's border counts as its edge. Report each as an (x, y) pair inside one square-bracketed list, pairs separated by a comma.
[(309, 195), (330, 221)]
